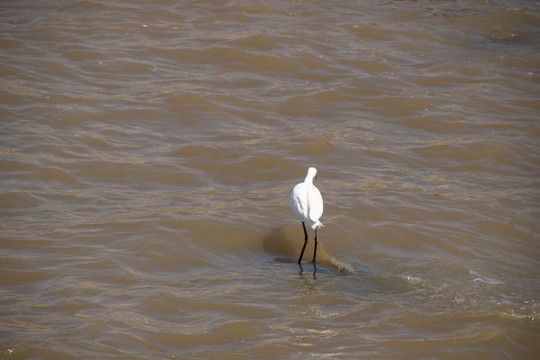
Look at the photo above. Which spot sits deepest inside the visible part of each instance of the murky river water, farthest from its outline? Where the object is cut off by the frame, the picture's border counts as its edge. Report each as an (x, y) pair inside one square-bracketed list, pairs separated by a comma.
[(148, 149)]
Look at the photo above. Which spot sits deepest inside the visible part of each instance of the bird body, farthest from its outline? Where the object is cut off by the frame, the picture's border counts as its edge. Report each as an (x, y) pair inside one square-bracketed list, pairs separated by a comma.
[(307, 204)]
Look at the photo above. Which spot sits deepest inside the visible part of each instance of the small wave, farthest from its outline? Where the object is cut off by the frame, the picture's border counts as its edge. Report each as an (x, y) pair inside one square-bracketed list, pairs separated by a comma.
[(345, 268), (484, 279), (415, 280)]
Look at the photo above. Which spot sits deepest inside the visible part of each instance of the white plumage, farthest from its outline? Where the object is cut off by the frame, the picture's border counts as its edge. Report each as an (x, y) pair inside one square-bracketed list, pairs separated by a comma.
[(307, 204)]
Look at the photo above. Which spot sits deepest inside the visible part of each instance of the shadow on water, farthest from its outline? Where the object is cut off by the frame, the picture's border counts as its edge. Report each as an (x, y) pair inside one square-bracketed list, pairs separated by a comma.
[(278, 243)]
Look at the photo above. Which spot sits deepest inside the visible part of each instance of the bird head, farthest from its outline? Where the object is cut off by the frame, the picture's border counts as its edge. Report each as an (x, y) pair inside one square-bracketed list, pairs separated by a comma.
[(312, 173)]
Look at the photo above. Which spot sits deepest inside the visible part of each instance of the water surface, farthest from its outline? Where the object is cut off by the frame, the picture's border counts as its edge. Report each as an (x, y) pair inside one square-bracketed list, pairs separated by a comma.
[(148, 150)]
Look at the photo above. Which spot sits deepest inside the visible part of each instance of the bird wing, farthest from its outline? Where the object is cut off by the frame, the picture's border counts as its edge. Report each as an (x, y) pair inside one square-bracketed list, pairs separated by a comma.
[(298, 201), (315, 204)]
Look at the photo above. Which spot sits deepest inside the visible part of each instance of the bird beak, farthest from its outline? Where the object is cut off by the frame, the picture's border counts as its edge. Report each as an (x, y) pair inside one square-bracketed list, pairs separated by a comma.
[(315, 177)]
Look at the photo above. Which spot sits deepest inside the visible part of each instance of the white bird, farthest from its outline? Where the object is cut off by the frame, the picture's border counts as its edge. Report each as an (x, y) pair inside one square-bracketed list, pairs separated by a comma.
[(307, 204)]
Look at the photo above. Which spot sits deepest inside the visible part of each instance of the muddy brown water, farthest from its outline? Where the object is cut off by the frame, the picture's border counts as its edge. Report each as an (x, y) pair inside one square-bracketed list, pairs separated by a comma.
[(148, 150)]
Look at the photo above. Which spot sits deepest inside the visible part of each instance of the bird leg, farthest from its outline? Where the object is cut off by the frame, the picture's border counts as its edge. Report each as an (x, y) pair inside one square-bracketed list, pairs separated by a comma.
[(315, 250), (305, 243)]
